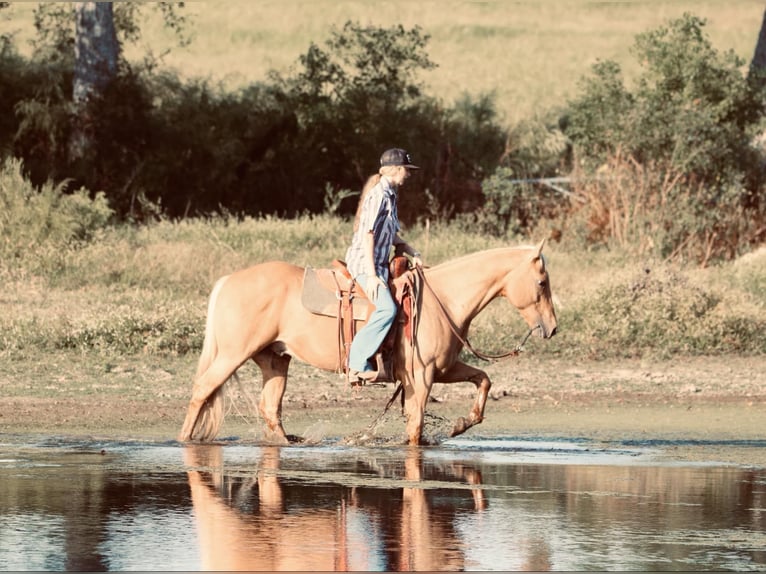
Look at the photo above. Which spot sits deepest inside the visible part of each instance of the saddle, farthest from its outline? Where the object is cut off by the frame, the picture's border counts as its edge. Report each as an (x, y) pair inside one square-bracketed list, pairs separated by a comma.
[(327, 291), (332, 292)]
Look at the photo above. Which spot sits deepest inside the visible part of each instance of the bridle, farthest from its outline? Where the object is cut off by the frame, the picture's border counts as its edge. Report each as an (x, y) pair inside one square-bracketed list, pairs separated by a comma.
[(464, 340)]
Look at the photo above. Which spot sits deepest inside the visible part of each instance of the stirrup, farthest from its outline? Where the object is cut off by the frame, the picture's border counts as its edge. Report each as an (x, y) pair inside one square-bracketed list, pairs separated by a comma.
[(384, 372)]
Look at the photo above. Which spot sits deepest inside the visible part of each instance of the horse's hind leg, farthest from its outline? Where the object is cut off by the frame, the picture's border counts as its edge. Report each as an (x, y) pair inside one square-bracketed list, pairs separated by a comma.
[(204, 387), (461, 372), (274, 368)]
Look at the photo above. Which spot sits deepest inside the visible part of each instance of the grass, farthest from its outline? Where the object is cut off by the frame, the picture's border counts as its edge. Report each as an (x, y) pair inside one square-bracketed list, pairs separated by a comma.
[(143, 292), (530, 54)]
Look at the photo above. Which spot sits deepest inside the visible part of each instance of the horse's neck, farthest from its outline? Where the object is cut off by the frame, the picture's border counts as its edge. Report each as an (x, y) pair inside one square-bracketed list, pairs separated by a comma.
[(468, 284)]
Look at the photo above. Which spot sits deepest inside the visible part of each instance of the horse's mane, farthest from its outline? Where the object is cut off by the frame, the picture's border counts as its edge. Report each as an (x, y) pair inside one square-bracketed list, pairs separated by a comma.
[(481, 255)]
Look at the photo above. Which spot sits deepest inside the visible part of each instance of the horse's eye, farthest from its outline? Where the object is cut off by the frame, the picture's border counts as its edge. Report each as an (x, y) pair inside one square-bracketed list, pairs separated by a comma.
[(541, 283)]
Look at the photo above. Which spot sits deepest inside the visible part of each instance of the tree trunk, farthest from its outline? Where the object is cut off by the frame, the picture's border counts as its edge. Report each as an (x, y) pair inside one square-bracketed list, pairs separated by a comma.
[(96, 54), (758, 64)]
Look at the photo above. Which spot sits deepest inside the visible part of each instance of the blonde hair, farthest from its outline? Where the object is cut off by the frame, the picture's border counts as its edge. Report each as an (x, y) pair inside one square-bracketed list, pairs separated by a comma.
[(372, 181)]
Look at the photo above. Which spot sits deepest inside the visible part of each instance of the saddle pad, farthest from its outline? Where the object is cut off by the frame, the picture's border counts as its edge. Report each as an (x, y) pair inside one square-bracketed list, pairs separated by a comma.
[(320, 293)]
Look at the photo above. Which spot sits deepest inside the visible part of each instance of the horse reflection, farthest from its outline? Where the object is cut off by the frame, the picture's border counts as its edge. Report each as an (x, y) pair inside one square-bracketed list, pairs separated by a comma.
[(265, 521)]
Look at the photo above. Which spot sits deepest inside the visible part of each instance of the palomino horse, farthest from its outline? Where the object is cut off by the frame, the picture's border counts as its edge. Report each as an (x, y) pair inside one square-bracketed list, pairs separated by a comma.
[(256, 313)]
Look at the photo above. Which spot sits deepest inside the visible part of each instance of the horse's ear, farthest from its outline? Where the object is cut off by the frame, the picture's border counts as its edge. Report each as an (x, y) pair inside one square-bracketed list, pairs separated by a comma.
[(540, 248), (539, 256)]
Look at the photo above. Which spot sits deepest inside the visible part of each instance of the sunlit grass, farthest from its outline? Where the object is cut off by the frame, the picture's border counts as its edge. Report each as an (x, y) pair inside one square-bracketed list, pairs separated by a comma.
[(144, 291), (530, 54)]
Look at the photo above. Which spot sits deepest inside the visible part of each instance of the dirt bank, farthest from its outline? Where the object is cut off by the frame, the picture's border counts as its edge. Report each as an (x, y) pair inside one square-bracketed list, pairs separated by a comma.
[(692, 409)]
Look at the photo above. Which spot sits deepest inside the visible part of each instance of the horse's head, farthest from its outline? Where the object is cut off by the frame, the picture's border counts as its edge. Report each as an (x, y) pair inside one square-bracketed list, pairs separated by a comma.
[(528, 289)]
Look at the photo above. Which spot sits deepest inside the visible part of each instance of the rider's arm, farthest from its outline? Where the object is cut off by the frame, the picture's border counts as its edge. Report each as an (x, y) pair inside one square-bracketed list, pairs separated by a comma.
[(408, 249)]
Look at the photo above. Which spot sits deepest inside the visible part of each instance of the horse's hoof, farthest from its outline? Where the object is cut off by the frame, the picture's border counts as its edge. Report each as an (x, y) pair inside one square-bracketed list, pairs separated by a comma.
[(461, 425), (275, 438)]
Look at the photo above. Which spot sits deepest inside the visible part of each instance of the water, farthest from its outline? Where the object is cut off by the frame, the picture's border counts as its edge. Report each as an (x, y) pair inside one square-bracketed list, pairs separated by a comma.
[(501, 504)]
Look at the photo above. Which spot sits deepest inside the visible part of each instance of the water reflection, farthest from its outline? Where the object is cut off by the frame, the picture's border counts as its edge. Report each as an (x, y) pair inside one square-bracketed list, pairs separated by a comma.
[(461, 506), (280, 518), (81, 510)]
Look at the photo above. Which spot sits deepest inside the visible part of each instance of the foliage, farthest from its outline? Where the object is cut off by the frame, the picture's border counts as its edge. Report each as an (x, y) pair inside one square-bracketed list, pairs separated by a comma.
[(351, 99), (517, 195), (36, 226), (664, 168), (334, 197), (662, 313), (692, 110), (468, 151), (648, 211), (514, 208), (55, 28), (668, 168), (180, 148)]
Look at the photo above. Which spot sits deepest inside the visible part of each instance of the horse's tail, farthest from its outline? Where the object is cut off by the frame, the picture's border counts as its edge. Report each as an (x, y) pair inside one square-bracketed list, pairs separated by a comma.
[(211, 413)]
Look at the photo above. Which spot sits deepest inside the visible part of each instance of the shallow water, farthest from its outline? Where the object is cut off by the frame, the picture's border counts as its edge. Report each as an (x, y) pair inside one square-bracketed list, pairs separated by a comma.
[(499, 504)]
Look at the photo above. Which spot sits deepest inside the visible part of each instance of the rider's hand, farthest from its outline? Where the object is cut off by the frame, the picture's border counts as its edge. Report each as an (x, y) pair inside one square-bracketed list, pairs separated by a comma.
[(371, 288), (417, 261)]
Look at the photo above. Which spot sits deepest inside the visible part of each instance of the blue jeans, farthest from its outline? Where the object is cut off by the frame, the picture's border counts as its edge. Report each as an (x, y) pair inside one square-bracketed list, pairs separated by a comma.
[(370, 337)]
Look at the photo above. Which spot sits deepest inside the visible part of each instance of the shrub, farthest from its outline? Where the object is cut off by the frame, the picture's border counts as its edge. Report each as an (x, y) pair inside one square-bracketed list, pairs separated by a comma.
[(647, 211), (163, 146), (660, 313), (691, 110), (39, 223), (514, 207), (668, 167)]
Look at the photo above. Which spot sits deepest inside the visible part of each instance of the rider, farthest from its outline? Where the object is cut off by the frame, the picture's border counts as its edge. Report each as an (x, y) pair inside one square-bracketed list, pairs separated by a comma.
[(376, 230)]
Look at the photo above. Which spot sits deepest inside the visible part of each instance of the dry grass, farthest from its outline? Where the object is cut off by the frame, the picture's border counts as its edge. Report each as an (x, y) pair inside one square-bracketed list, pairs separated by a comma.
[(531, 54)]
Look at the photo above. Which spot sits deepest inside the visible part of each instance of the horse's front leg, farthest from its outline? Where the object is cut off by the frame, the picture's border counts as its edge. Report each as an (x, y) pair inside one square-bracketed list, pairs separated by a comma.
[(274, 368), (460, 372), (417, 387)]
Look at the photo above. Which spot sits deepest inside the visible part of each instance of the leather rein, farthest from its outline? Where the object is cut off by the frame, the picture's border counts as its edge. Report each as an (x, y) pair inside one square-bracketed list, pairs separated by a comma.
[(483, 356), (464, 340)]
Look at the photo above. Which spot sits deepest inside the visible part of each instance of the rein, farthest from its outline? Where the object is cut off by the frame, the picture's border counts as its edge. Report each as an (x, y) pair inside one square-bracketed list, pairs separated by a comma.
[(464, 340), (466, 343)]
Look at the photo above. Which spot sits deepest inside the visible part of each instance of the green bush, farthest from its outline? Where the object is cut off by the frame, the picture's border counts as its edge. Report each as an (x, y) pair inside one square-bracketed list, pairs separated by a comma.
[(660, 313), (166, 146), (515, 208), (692, 109), (37, 226), (668, 167)]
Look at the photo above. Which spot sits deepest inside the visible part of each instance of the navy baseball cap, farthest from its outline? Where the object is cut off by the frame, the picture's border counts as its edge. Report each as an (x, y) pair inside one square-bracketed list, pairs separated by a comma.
[(397, 156)]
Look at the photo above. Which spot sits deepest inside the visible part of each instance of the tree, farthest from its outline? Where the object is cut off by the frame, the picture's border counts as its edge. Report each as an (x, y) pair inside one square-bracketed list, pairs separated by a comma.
[(758, 63), (77, 63), (691, 108), (364, 79), (96, 53)]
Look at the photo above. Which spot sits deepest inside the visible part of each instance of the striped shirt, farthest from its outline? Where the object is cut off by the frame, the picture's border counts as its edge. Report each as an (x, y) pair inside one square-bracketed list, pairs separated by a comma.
[(379, 215)]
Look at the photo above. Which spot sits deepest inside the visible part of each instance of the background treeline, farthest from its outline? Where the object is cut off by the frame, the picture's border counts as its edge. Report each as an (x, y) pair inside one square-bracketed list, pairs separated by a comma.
[(670, 166)]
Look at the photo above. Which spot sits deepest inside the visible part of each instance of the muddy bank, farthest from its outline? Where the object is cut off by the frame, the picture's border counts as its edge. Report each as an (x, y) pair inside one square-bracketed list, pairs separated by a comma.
[(695, 409)]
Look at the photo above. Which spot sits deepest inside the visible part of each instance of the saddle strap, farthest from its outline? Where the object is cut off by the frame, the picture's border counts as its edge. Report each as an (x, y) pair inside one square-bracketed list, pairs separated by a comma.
[(345, 322)]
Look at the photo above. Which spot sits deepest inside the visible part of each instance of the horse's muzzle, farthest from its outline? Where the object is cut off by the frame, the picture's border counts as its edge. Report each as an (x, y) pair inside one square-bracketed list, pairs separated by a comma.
[(546, 333)]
